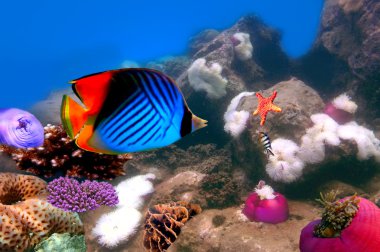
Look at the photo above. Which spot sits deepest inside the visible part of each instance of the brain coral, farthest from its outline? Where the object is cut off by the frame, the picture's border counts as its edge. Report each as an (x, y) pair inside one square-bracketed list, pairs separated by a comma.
[(163, 223), (60, 155), (26, 218)]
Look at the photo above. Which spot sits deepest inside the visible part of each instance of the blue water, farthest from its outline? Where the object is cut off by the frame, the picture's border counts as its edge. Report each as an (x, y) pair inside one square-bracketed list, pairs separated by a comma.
[(44, 44)]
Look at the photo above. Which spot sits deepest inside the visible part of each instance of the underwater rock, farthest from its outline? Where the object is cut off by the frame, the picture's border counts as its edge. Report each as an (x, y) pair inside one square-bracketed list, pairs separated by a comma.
[(297, 101), (163, 224), (172, 66), (26, 216), (59, 155), (183, 186), (199, 40), (342, 189), (237, 233), (62, 242)]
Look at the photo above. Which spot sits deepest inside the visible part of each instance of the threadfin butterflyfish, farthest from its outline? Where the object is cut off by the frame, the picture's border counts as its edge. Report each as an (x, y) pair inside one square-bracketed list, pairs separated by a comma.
[(127, 110)]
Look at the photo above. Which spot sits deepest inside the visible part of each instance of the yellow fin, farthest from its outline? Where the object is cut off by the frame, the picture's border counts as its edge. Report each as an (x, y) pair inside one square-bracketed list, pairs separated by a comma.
[(73, 116)]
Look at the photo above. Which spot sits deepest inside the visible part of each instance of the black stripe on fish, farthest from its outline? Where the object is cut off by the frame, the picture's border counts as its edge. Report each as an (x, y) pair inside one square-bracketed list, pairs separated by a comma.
[(146, 132), (186, 123), (162, 89), (139, 130), (151, 136), (120, 87), (138, 116), (132, 112)]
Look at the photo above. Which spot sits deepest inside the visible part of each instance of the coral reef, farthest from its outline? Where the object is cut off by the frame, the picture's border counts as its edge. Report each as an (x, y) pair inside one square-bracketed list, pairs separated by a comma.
[(220, 190), (60, 156), (163, 223), (26, 218), (62, 242), (20, 129), (116, 227), (207, 78), (70, 195)]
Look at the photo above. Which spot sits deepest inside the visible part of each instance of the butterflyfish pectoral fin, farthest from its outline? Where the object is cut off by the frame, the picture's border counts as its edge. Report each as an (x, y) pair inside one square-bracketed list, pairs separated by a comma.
[(73, 116)]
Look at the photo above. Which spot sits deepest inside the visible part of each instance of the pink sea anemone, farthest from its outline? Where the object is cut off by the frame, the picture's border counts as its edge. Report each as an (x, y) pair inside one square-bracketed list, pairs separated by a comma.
[(339, 115), (265, 205), (350, 224)]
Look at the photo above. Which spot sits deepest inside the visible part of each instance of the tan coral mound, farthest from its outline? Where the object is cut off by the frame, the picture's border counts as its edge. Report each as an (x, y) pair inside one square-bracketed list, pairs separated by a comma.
[(60, 155), (163, 223), (26, 218)]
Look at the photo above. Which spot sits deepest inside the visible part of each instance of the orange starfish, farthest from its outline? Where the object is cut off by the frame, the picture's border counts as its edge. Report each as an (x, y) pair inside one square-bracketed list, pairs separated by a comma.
[(265, 105)]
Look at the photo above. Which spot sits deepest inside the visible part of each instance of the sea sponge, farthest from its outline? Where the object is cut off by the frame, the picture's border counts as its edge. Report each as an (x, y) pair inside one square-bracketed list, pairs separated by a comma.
[(284, 166), (366, 141), (235, 121), (60, 155), (163, 223), (244, 48), (26, 218), (209, 79)]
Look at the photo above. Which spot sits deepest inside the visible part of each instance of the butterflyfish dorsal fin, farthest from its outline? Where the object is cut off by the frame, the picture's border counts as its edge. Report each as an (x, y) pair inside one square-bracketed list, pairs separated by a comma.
[(92, 89)]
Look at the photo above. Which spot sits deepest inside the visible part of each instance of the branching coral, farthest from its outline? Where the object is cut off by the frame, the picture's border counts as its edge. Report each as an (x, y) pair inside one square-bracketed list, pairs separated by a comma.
[(209, 79), (60, 155), (235, 121), (69, 195), (25, 217), (284, 166), (244, 48), (163, 224)]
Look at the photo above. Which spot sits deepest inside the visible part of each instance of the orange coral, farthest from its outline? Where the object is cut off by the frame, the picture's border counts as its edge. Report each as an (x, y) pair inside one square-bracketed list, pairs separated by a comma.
[(163, 223), (26, 218)]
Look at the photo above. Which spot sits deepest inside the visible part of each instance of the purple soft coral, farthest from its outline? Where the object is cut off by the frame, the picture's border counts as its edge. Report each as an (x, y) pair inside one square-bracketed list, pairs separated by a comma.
[(69, 195)]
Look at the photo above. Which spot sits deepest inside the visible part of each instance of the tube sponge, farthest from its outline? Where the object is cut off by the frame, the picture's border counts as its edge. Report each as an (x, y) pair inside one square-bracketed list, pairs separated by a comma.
[(368, 144), (235, 121), (209, 79), (284, 166), (243, 49)]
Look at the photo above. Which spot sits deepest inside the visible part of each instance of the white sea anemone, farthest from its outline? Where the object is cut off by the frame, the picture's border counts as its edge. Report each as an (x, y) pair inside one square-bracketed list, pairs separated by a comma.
[(131, 191), (265, 192), (116, 227), (367, 143), (244, 49), (345, 103), (209, 79), (284, 166), (235, 121), (311, 151)]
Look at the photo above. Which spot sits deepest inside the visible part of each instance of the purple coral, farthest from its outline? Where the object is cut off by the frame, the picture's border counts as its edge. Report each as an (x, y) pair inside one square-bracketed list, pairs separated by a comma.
[(70, 195)]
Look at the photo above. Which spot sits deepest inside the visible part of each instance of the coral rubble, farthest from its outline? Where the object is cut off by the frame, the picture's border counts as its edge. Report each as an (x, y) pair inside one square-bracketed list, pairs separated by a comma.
[(26, 218), (60, 156), (163, 223)]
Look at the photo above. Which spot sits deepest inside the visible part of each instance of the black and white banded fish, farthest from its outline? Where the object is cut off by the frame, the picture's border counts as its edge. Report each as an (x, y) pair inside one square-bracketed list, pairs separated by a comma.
[(127, 110), (265, 142)]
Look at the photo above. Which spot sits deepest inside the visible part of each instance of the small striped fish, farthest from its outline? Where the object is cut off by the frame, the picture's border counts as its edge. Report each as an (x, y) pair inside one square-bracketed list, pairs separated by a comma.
[(265, 142), (127, 110)]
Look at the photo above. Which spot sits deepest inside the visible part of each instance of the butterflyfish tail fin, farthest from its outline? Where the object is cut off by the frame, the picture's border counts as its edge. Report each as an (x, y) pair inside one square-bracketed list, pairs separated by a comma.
[(73, 116)]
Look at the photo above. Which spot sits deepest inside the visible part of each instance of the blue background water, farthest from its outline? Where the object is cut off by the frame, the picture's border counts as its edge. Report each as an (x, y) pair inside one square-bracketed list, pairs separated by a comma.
[(44, 44)]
